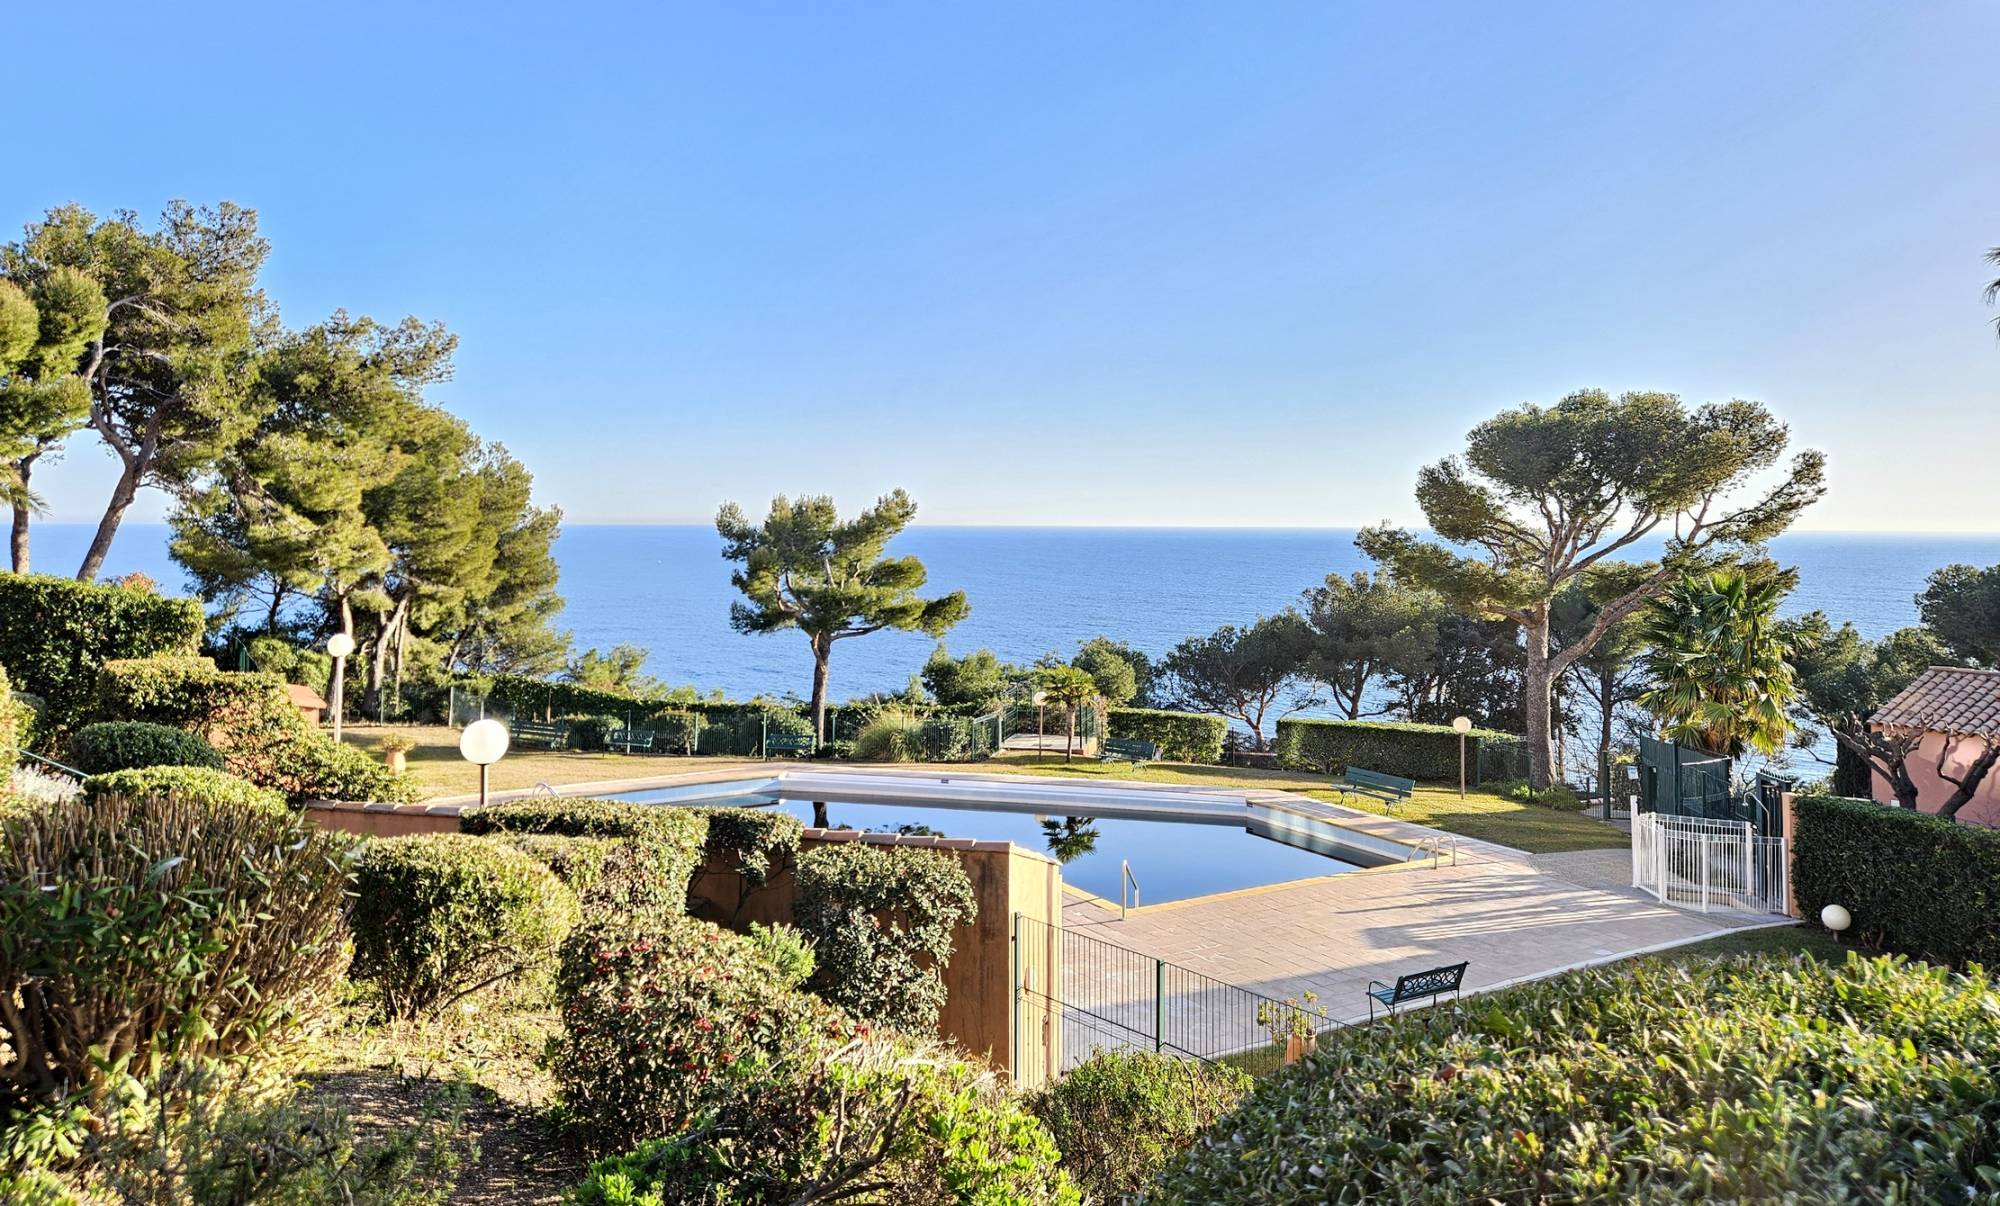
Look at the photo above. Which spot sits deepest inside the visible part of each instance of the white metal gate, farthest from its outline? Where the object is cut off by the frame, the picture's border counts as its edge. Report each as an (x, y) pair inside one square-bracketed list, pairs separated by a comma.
[(1696, 863)]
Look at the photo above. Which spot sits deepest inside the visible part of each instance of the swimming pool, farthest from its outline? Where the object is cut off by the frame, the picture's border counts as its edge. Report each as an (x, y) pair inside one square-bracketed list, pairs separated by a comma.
[(1179, 845)]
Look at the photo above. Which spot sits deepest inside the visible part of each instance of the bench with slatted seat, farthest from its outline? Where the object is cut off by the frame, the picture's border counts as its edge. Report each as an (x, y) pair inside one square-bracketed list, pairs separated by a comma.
[(627, 741), (802, 745), (1127, 749), (1416, 986), (555, 736), (1390, 789)]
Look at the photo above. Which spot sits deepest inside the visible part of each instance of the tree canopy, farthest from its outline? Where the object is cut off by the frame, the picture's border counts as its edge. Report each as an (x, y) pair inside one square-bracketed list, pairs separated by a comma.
[(1961, 605), (1240, 673), (1544, 495), (1364, 629), (1717, 661), (806, 568), (50, 317)]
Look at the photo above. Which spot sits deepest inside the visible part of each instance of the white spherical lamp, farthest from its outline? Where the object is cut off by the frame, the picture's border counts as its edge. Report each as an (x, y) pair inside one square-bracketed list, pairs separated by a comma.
[(483, 742), (1461, 725), (339, 645), (1836, 918)]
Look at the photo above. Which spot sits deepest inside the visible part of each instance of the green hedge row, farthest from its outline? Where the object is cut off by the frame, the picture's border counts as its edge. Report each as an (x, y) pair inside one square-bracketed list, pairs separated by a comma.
[(56, 632), (1424, 752), (1181, 736), (1914, 883)]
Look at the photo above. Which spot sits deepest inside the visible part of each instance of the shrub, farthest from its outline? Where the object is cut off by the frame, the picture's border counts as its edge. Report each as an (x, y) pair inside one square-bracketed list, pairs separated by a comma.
[(1721, 1080), (786, 950), (892, 735), (1424, 752), (1558, 796), (665, 1020), (10, 723), (880, 921), (196, 784), (1181, 736), (440, 916), (1121, 1115), (884, 1119), (746, 849), (610, 876), (593, 732), (1914, 883), (666, 842), (56, 632), (158, 925), (676, 732), (251, 720), (111, 745)]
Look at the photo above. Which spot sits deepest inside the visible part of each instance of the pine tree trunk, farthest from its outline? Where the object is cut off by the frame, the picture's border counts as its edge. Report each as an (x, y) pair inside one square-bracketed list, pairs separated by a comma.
[(20, 538), (1536, 703), (107, 527), (822, 652)]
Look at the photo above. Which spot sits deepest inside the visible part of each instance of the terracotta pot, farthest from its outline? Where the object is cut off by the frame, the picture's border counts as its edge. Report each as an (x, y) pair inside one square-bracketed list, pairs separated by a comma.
[(396, 760), (1298, 1046)]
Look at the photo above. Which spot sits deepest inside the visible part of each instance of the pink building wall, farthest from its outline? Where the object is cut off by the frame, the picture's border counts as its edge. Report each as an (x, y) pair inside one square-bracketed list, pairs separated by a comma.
[(1933, 791)]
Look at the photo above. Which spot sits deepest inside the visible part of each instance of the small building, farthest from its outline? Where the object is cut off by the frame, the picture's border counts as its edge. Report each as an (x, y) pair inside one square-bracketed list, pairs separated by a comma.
[(307, 701), (1957, 712)]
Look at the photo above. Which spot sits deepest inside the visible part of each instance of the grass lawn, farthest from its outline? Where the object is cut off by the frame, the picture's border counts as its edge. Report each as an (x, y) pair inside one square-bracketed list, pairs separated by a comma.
[(1481, 815), (437, 766)]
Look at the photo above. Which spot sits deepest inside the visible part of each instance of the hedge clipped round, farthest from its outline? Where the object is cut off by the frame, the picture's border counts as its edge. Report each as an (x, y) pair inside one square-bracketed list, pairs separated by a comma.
[(880, 921), (156, 924), (56, 632), (1120, 1115), (1427, 753), (1181, 736), (1914, 883), (745, 850), (885, 1119), (1730, 1080), (111, 745), (440, 916), (666, 1020), (196, 784), (666, 842)]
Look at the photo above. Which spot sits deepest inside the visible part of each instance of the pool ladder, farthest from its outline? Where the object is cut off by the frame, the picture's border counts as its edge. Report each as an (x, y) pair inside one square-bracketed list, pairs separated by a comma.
[(1435, 847), (1128, 886)]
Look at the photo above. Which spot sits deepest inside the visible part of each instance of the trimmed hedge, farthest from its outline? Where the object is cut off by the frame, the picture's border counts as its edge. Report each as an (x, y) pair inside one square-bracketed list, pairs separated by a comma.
[(1181, 736), (880, 919), (759, 844), (1120, 1115), (1427, 753), (111, 745), (440, 916), (250, 718), (666, 843), (196, 784), (1914, 883), (157, 924), (56, 632), (1728, 1080)]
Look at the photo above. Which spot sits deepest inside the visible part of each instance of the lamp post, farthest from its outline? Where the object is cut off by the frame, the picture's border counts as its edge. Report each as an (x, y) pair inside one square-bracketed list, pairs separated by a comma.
[(1836, 918), (1041, 701), (483, 743), (338, 646), (1461, 725)]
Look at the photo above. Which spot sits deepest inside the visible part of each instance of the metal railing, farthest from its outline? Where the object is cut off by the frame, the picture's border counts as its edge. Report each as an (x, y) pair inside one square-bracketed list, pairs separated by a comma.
[(1091, 994), (1708, 864), (1436, 847), (1128, 884)]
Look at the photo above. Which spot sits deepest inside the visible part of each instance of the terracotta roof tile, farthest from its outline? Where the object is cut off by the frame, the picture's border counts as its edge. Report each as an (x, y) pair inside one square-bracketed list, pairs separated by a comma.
[(1946, 699)]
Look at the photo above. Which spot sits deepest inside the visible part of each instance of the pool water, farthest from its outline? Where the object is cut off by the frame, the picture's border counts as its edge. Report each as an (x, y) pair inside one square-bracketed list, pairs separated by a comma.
[(1173, 858)]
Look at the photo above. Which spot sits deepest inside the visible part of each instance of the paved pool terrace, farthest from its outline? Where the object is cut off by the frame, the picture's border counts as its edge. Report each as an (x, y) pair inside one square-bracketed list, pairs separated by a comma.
[(1435, 899)]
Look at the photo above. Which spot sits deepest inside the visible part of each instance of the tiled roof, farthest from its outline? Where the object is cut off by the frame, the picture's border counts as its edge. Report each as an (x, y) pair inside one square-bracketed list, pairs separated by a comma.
[(1946, 699), (304, 697)]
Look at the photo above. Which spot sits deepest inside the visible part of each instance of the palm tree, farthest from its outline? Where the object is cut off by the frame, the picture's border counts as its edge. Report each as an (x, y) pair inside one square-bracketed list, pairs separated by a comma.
[(1070, 689), (1070, 838), (1718, 662)]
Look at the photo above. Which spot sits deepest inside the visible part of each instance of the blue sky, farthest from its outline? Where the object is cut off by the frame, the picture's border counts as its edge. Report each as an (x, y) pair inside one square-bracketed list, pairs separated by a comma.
[(1129, 264)]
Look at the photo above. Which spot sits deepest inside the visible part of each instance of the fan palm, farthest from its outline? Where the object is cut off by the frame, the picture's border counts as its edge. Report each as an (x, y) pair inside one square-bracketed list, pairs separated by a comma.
[(1717, 664)]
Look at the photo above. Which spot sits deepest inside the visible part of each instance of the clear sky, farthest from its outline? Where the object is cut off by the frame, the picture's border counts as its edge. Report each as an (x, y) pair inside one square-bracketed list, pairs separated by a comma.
[(1082, 263)]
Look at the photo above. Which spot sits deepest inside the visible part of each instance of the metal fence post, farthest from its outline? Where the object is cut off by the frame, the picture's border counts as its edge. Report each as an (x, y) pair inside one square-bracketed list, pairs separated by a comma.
[(1159, 1004), (1014, 1005)]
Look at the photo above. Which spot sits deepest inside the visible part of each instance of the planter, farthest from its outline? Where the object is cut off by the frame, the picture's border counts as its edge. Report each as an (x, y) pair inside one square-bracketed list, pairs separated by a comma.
[(396, 760), (1298, 1046)]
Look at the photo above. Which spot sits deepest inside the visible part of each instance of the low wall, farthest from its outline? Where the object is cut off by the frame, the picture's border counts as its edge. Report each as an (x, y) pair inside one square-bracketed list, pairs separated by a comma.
[(979, 982)]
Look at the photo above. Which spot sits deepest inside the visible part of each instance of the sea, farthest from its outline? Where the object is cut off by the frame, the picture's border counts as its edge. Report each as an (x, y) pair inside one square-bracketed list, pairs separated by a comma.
[(1032, 590)]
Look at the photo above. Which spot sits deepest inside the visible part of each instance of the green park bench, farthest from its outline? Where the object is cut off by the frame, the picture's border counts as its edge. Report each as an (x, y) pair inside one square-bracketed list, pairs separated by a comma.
[(803, 744), (627, 740), (555, 736), (1390, 789), (1415, 987), (1126, 749)]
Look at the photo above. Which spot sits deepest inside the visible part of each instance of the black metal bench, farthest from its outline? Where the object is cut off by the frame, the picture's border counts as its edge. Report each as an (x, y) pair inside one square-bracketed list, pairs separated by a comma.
[(1415, 987), (802, 745), (555, 736), (1390, 789), (627, 740), (1127, 749)]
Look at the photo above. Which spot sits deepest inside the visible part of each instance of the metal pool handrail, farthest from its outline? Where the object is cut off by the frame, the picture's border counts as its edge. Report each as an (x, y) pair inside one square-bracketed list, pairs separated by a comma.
[(70, 770), (1126, 880), (1435, 846)]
